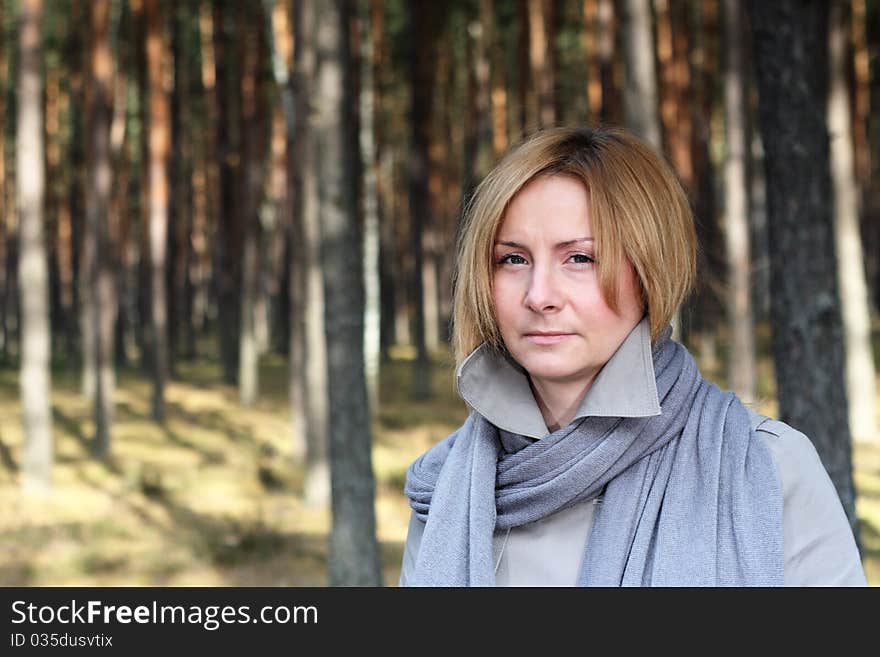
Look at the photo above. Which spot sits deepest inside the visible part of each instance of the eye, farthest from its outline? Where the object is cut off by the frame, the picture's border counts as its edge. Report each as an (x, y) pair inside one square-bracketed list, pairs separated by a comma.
[(512, 259), (582, 259)]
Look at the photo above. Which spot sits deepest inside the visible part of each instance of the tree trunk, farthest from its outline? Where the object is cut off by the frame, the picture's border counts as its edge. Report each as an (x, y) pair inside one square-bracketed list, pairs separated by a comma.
[(421, 61), (590, 39), (288, 195), (542, 111), (143, 328), (88, 252), (640, 91), (251, 118), (315, 387), (35, 381), (280, 39), (182, 192), (273, 312), (159, 145), (227, 56), (100, 277), (52, 208), (498, 82), (525, 88), (676, 100), (861, 95), (372, 303), (444, 181), (478, 136), (207, 242), (121, 194), (871, 216), (741, 361), (384, 174), (705, 308), (354, 553), (610, 110), (791, 41), (4, 221), (88, 293), (861, 384)]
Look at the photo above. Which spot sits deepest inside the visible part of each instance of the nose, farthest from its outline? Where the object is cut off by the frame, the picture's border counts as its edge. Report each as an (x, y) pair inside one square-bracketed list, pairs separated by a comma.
[(543, 294)]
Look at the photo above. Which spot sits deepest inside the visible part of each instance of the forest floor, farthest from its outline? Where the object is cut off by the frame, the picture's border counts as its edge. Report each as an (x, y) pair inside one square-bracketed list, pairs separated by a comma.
[(214, 496)]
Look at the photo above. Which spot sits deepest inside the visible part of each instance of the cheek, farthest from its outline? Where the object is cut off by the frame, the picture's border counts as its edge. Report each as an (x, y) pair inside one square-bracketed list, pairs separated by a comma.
[(504, 297), (590, 306)]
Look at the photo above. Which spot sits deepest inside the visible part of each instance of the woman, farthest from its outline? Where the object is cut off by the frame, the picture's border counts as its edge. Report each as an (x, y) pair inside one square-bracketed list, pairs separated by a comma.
[(595, 453)]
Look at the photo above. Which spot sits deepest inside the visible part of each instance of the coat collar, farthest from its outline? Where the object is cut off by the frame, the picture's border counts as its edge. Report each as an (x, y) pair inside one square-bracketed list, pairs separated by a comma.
[(498, 388)]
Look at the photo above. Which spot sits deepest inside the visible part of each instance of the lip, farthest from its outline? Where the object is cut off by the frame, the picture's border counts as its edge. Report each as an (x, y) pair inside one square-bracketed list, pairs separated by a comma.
[(547, 337)]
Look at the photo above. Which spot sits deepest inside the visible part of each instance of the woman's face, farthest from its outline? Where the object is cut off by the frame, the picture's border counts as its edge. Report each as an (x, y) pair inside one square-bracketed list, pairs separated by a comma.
[(550, 309)]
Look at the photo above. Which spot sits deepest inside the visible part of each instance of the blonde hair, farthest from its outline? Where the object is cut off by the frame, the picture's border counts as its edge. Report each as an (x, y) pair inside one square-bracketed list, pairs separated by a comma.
[(639, 213)]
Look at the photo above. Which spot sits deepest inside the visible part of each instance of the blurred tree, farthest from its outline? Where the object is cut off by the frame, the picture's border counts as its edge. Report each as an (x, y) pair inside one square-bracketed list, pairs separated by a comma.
[(143, 327), (791, 46), (183, 132), (741, 359), (421, 68), (498, 80), (354, 553), (449, 137), (5, 222), (33, 268), (383, 77), (123, 206), (285, 29), (158, 60), (542, 57), (598, 36), (209, 241), (640, 99), (478, 129), (525, 84), (228, 57), (675, 87), (871, 214), (367, 106), (76, 55), (56, 207), (252, 129), (861, 93), (570, 73), (280, 40), (99, 232), (706, 307), (307, 305), (861, 379), (88, 251)]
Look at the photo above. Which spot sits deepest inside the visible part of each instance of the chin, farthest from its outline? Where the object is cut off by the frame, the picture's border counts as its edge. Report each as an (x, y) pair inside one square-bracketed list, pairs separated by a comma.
[(551, 369)]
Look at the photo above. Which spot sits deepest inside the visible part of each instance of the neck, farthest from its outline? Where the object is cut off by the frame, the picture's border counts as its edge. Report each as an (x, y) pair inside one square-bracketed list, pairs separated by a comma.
[(559, 402)]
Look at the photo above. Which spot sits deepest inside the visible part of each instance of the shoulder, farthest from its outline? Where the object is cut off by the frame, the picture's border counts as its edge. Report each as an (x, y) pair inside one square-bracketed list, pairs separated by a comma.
[(800, 469), (795, 455), (817, 539)]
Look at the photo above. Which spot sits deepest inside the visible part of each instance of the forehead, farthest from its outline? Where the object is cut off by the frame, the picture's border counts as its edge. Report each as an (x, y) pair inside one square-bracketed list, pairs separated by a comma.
[(555, 207)]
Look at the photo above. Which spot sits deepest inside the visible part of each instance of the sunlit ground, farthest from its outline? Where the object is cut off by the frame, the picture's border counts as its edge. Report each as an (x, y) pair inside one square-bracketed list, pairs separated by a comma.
[(214, 497)]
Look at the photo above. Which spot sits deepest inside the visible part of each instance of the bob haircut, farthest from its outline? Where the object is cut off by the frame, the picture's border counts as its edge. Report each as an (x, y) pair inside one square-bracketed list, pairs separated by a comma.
[(639, 214)]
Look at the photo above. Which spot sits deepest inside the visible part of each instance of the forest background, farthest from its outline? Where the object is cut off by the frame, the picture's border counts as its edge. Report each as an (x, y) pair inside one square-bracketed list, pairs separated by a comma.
[(227, 232)]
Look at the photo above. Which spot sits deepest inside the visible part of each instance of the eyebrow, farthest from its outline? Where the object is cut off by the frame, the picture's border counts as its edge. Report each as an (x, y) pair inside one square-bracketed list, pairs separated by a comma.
[(561, 245)]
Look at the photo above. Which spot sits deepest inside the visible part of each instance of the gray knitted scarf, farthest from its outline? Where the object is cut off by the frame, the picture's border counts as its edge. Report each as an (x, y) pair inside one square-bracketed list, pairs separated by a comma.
[(692, 496)]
